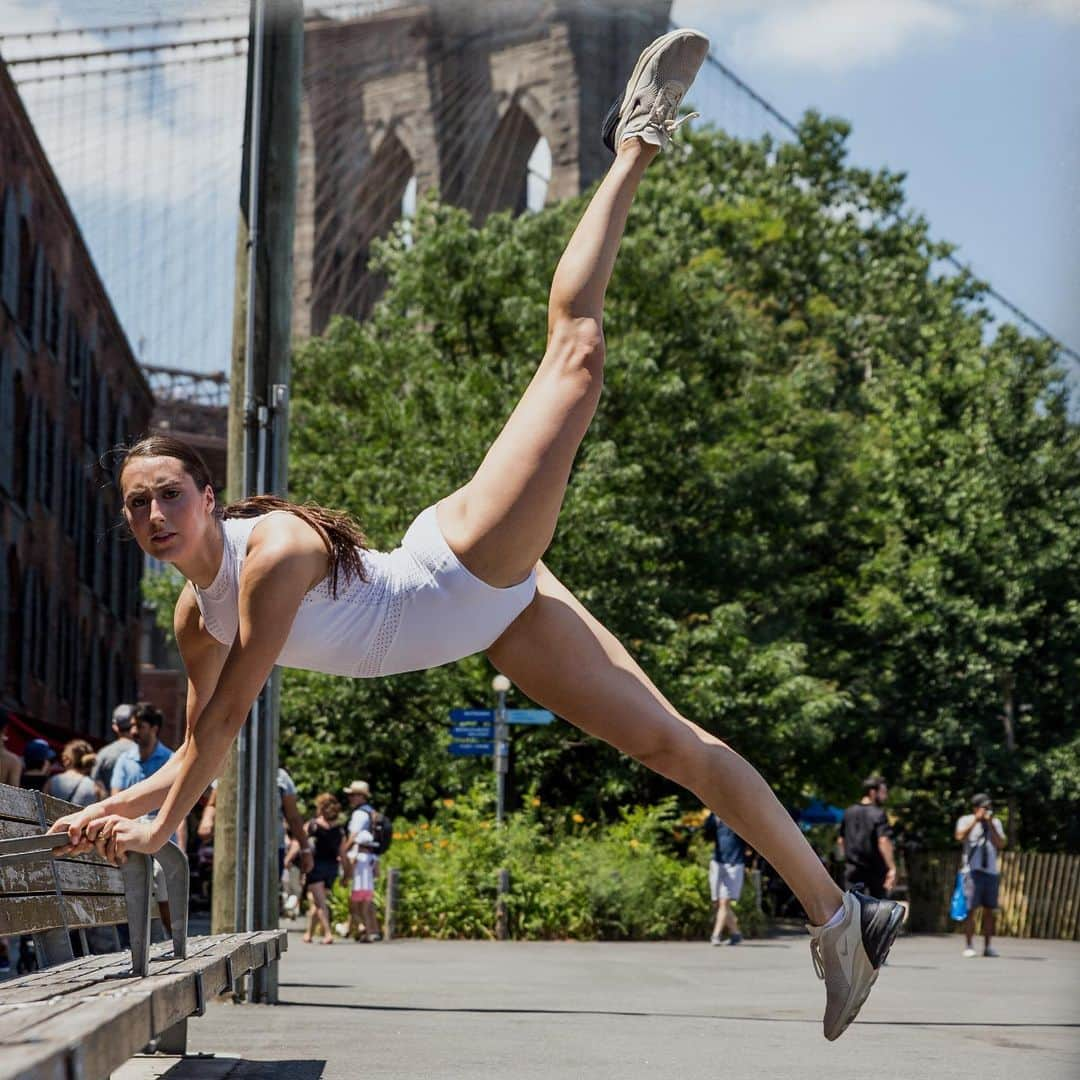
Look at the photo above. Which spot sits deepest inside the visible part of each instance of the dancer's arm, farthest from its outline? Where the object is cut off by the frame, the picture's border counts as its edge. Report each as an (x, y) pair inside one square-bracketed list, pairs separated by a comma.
[(281, 565), (203, 658)]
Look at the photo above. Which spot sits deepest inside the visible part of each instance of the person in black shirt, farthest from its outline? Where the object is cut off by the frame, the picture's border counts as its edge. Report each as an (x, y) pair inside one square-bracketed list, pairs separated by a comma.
[(326, 835), (866, 840)]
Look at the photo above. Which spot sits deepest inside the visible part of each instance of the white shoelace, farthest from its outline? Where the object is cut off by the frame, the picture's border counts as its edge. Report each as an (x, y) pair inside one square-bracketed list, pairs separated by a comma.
[(662, 115)]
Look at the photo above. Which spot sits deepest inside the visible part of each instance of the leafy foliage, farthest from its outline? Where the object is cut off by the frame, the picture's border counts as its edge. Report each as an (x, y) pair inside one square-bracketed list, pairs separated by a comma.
[(829, 506), (641, 877)]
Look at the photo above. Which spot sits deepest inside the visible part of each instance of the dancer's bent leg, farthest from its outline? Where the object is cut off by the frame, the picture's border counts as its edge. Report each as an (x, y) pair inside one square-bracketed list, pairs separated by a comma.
[(563, 658), (502, 521)]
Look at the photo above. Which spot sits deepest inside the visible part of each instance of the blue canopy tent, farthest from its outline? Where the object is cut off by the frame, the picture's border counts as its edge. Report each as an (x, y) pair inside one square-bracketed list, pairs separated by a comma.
[(819, 813)]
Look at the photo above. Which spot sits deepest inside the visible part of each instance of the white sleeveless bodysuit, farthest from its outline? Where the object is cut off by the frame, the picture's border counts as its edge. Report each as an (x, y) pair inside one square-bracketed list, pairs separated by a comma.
[(419, 608)]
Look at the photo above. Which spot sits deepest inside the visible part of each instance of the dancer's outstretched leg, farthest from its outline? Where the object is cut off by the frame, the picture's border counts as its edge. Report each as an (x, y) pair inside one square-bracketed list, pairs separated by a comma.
[(563, 658), (503, 519), (555, 651)]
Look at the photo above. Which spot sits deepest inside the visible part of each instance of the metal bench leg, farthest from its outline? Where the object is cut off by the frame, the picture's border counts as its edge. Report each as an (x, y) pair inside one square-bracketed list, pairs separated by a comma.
[(138, 878), (177, 882)]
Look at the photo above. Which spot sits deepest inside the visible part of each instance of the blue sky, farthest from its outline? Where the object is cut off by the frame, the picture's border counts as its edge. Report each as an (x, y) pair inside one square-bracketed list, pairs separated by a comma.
[(978, 102)]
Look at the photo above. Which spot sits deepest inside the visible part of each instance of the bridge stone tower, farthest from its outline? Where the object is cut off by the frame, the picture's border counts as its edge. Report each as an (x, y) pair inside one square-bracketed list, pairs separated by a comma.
[(452, 95)]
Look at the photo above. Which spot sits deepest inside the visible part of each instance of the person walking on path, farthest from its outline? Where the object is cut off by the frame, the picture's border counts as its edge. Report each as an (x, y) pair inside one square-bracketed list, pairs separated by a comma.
[(272, 582), (981, 837), (727, 868), (866, 838), (361, 864), (326, 836), (123, 725)]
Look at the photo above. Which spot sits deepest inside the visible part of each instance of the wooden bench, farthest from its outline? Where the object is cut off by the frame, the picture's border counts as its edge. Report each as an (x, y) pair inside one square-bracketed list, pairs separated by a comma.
[(80, 1018)]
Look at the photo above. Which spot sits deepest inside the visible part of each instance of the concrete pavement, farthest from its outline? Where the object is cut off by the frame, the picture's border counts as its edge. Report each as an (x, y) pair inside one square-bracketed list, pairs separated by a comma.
[(477, 1010)]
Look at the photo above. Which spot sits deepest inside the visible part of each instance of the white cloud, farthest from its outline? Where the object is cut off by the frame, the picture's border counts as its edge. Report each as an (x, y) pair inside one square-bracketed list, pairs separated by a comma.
[(839, 35)]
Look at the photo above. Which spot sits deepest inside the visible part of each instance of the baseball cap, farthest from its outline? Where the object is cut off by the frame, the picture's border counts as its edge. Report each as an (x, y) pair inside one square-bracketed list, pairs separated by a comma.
[(982, 799), (122, 716), (38, 751)]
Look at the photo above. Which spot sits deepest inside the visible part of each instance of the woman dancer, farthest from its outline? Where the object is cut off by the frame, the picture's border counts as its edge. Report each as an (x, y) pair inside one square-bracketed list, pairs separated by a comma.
[(269, 582)]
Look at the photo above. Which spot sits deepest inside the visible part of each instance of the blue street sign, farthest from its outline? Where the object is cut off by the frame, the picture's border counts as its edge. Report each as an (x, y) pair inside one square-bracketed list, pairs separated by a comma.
[(529, 716), (464, 716), (471, 749), (471, 731)]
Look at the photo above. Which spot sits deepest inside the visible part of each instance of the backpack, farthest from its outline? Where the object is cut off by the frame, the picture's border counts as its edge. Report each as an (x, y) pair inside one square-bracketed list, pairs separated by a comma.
[(382, 830)]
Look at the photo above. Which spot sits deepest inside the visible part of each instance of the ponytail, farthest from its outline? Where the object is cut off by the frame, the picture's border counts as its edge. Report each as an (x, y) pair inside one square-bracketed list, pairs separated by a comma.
[(342, 536)]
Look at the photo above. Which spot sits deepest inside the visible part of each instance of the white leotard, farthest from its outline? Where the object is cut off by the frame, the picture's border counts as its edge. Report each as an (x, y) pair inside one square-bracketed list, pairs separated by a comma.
[(419, 608)]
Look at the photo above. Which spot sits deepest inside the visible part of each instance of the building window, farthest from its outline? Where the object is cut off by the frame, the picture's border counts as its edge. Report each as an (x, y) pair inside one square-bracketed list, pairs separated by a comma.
[(15, 641), (54, 313), (27, 279), (9, 254), (21, 429), (7, 422), (89, 399), (86, 535), (72, 352), (104, 425), (47, 450), (41, 632)]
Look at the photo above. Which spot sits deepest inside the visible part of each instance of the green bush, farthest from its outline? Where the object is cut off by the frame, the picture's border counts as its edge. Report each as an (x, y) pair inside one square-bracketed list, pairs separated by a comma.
[(642, 877)]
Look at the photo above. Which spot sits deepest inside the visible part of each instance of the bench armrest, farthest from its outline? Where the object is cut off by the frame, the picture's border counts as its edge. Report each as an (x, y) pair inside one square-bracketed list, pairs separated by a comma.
[(177, 882)]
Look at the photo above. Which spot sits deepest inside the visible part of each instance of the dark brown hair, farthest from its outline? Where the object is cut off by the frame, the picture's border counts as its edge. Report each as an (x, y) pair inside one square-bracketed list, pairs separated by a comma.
[(344, 540)]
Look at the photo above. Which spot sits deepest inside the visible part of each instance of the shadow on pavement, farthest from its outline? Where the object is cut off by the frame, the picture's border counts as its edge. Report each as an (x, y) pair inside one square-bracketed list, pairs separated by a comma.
[(663, 1015), (226, 1068)]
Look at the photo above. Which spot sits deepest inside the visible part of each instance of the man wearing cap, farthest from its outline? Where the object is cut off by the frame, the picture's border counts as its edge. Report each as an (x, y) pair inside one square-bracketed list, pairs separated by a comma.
[(359, 854), (123, 725), (982, 837)]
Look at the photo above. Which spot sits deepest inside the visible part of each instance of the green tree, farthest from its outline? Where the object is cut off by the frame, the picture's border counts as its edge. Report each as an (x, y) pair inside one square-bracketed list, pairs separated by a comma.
[(829, 506)]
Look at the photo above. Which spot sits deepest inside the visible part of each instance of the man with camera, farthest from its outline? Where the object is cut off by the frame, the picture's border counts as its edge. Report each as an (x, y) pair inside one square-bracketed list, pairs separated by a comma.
[(982, 837)]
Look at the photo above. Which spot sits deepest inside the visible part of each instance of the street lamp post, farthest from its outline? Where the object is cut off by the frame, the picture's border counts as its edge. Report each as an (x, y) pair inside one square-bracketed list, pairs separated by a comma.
[(501, 684)]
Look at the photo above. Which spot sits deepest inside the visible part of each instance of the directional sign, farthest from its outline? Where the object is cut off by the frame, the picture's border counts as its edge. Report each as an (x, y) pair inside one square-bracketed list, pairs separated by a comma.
[(529, 716), (471, 749), (472, 731), (465, 716)]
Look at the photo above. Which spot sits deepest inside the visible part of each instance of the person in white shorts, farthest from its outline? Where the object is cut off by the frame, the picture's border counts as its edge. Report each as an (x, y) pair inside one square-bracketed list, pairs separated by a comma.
[(727, 866), (273, 582), (365, 869)]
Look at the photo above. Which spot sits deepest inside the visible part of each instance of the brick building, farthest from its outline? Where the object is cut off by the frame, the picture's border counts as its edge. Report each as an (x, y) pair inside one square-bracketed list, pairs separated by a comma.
[(70, 389)]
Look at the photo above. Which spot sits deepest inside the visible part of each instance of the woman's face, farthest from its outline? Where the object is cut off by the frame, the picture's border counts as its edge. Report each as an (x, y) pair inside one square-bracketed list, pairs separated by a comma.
[(168, 515)]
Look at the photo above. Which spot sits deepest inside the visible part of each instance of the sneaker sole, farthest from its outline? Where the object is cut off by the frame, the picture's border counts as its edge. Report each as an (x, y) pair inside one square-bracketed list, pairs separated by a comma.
[(884, 936), (616, 110)]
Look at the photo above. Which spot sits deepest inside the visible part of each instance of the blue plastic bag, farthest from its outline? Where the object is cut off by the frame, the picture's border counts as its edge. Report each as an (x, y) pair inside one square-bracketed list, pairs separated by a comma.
[(958, 909)]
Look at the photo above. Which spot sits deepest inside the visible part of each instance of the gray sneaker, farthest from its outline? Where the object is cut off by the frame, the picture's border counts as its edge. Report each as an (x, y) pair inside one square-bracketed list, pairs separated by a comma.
[(849, 956), (650, 105)]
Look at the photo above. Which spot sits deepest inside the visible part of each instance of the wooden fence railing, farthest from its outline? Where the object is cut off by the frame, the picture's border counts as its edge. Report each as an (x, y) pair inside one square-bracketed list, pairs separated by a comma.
[(1039, 895)]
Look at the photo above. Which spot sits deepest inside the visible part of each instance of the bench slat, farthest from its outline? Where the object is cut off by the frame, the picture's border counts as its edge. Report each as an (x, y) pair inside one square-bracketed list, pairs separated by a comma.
[(110, 1021), (18, 879), (21, 805), (30, 914), (104, 1033)]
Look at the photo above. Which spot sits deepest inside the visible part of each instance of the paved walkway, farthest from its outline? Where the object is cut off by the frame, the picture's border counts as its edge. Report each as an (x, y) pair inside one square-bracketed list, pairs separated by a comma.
[(488, 1011)]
